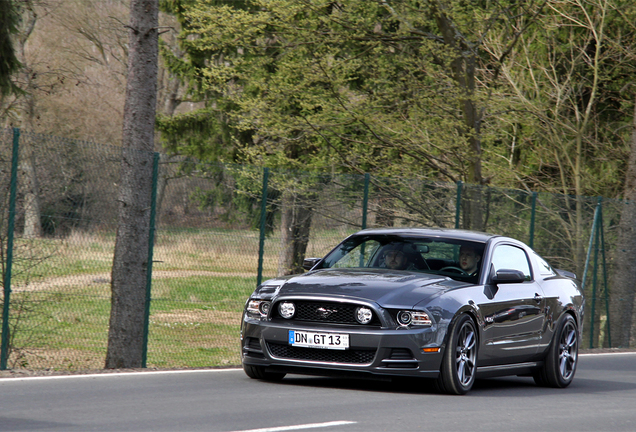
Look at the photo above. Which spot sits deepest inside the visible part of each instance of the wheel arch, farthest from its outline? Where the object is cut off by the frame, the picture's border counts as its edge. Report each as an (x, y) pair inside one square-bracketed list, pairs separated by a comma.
[(471, 311), (569, 310)]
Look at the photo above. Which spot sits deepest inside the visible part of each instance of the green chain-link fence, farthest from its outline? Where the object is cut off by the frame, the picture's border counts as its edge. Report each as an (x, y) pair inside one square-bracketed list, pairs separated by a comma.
[(220, 230)]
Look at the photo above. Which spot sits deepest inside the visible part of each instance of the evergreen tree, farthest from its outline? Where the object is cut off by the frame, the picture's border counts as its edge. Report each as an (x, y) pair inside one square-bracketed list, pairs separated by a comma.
[(9, 63)]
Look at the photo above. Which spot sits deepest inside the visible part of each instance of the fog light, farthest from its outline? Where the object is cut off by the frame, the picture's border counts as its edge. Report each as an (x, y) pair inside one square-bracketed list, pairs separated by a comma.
[(364, 315), (287, 310), (404, 318)]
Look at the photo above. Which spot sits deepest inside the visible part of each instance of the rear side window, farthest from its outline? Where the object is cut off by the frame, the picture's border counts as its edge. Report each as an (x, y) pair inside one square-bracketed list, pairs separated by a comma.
[(511, 258), (544, 268)]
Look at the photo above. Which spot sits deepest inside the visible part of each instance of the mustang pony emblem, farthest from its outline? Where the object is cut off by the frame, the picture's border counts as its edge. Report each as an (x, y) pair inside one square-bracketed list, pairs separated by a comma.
[(324, 312)]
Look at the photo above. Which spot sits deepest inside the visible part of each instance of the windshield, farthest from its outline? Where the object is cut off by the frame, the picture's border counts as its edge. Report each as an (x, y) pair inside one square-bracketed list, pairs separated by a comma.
[(458, 259)]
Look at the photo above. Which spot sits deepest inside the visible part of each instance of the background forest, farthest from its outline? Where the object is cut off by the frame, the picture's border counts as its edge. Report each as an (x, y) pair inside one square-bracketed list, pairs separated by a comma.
[(536, 95)]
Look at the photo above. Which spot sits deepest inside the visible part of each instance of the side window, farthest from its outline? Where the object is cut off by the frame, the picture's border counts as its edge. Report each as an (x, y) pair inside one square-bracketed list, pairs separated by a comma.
[(513, 258)]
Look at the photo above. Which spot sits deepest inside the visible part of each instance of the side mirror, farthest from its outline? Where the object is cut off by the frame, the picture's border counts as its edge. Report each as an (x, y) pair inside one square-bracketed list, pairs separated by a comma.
[(508, 276), (309, 263)]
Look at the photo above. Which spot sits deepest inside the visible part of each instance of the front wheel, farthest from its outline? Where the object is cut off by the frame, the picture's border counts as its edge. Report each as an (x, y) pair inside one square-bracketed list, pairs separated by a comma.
[(259, 372), (562, 358), (459, 364)]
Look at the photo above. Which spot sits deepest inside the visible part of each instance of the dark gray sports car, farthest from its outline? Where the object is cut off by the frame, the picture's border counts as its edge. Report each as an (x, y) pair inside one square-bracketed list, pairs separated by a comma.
[(435, 303)]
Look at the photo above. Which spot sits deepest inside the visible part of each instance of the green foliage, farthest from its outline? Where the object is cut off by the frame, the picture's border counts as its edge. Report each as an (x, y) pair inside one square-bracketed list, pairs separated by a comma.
[(363, 86), (532, 94), (571, 81), (9, 64)]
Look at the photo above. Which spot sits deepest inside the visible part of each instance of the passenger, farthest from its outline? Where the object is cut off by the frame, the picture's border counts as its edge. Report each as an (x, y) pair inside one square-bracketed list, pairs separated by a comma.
[(469, 260)]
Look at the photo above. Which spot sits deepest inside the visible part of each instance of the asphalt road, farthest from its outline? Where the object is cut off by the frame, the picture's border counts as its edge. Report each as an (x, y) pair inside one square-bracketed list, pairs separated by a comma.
[(601, 398)]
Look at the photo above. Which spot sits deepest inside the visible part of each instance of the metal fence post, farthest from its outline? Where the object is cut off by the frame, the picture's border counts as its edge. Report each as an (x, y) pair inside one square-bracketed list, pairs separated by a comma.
[(4, 348), (151, 246), (607, 309), (365, 200), (261, 239), (458, 203), (589, 247), (595, 276)]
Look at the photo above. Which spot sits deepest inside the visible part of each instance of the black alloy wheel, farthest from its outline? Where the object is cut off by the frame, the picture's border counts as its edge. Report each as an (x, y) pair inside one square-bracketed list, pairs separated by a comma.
[(459, 364), (562, 358)]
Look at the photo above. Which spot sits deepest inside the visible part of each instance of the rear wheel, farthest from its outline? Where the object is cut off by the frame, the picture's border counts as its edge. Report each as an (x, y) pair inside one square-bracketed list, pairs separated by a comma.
[(459, 364), (259, 372), (562, 358)]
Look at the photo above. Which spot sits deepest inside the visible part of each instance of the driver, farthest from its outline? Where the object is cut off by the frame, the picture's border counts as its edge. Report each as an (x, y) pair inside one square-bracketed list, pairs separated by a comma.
[(469, 260), (395, 259)]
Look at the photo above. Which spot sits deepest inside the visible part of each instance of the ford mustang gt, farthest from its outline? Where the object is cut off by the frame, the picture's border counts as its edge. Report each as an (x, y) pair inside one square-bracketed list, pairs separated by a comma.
[(449, 305)]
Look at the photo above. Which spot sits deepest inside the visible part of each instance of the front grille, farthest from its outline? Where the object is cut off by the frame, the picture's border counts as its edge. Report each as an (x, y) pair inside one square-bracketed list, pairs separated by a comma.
[(353, 356), (326, 312)]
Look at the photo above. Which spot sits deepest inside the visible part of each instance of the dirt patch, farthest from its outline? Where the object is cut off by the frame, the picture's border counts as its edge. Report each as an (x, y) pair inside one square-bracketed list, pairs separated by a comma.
[(68, 359), (104, 278), (198, 316)]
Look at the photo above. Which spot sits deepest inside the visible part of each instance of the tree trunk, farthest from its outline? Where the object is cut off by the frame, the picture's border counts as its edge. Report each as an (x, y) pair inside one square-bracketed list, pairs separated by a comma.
[(624, 281), (464, 69), (32, 223), (10, 63), (130, 263), (296, 217), (26, 112)]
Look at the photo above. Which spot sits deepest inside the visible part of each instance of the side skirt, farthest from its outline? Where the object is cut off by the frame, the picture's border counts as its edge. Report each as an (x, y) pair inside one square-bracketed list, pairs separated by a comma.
[(509, 369)]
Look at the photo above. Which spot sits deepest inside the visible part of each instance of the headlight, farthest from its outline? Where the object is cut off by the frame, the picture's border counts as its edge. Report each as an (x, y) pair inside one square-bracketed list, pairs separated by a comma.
[(286, 310), (405, 318), (258, 308), (364, 315)]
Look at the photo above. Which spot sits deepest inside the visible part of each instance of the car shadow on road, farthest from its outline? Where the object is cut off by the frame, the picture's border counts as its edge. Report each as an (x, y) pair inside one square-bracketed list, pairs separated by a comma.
[(388, 385), (511, 386), (16, 424)]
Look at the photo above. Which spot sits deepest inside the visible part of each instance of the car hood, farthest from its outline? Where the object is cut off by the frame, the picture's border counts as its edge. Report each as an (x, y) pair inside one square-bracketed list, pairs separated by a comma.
[(390, 289)]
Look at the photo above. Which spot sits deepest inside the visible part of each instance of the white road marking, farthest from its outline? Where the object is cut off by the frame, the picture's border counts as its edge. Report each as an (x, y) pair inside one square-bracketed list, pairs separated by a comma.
[(300, 427), (185, 371), (607, 353)]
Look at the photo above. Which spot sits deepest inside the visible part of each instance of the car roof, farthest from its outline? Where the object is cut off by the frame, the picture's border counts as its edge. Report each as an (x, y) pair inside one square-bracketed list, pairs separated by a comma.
[(455, 234)]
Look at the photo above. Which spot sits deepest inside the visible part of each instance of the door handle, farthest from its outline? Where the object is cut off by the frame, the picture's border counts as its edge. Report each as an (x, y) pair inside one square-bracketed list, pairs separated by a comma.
[(537, 298)]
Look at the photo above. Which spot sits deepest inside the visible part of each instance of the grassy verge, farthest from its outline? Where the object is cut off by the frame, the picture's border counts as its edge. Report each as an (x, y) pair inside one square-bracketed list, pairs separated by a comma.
[(201, 278), (194, 322)]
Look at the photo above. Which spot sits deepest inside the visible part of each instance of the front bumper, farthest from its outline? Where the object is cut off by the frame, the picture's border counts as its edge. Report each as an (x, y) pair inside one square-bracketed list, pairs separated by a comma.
[(378, 351)]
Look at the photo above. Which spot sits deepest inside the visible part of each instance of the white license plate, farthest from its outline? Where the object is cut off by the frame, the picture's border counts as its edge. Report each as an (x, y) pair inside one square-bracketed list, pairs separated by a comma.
[(337, 341)]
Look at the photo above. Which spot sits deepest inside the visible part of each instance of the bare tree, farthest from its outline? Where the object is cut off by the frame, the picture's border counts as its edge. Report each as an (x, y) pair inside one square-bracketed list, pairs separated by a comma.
[(623, 292), (130, 264)]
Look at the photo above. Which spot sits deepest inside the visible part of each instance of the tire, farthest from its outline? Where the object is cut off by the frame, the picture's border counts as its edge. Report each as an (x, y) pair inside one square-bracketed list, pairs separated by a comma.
[(459, 363), (259, 372), (562, 358)]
